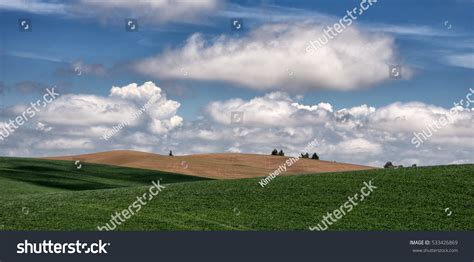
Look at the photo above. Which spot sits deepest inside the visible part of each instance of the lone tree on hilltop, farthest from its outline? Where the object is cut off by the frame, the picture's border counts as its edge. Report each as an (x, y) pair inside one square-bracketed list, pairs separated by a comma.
[(274, 152), (171, 153), (281, 153), (388, 165), (315, 156)]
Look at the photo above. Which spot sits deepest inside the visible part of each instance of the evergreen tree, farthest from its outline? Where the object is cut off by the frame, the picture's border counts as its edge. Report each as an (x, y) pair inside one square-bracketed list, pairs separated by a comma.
[(305, 155)]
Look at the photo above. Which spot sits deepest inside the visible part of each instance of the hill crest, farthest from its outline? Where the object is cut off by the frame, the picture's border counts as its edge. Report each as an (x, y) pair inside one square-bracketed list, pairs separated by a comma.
[(216, 166)]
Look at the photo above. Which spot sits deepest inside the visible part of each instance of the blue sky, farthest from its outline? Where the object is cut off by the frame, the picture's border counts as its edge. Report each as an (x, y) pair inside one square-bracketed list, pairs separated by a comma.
[(431, 40), (58, 40)]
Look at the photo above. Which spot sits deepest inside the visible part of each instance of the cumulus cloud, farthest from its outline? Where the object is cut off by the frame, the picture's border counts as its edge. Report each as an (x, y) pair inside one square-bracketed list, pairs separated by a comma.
[(86, 110), (121, 105), (135, 92), (77, 122), (358, 146), (61, 143), (274, 56), (361, 134)]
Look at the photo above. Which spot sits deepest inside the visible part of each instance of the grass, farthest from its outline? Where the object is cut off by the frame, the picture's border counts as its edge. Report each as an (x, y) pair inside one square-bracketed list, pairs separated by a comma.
[(53, 195), (33, 175)]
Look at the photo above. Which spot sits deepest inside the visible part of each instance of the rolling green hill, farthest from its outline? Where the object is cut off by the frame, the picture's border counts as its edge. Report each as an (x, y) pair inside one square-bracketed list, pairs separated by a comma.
[(54, 195), (37, 175)]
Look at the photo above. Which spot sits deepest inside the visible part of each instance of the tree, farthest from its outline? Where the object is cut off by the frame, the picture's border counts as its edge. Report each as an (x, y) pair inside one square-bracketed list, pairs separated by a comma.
[(171, 153), (414, 165), (305, 155), (281, 153), (388, 165), (315, 156), (274, 152)]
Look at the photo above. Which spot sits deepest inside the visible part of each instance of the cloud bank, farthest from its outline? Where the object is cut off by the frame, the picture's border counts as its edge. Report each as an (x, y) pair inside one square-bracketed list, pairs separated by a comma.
[(75, 123)]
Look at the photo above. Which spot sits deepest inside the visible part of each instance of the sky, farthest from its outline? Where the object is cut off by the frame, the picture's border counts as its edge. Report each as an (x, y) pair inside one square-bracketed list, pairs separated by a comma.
[(211, 87)]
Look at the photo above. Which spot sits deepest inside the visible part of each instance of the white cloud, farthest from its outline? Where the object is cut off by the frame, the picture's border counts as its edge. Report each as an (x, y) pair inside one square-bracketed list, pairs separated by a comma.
[(274, 109), (274, 57), (70, 143), (361, 134), (414, 30), (149, 11), (84, 119), (462, 60), (35, 56), (122, 104), (86, 110), (35, 6), (358, 146), (139, 93)]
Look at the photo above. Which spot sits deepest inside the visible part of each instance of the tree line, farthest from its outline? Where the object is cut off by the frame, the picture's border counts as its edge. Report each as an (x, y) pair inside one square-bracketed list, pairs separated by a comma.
[(275, 152)]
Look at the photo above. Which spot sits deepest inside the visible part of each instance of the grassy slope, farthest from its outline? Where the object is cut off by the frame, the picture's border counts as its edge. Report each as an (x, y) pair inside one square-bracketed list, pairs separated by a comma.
[(406, 199), (20, 175)]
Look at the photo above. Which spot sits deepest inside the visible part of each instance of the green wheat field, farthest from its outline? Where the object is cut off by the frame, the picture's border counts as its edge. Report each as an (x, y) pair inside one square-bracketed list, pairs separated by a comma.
[(54, 195)]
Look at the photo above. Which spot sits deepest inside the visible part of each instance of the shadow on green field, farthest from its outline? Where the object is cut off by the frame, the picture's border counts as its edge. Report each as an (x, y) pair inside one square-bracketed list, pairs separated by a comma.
[(65, 175)]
